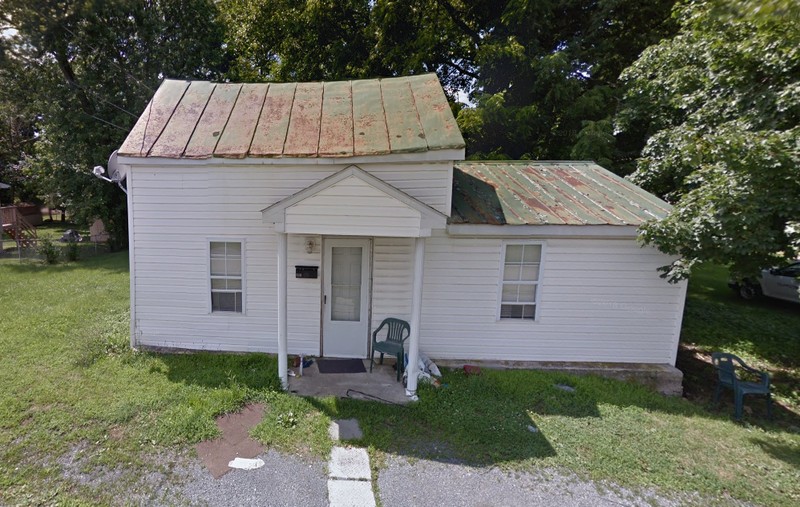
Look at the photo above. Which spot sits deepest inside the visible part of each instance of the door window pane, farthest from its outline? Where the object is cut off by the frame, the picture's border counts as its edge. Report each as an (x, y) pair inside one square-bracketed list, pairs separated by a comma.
[(346, 283)]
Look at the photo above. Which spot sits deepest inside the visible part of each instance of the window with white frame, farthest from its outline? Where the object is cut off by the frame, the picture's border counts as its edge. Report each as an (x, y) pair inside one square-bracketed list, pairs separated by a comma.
[(520, 285), (226, 276)]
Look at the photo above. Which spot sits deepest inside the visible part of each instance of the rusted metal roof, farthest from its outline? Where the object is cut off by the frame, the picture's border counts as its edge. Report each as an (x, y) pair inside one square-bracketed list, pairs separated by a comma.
[(548, 193), (198, 119)]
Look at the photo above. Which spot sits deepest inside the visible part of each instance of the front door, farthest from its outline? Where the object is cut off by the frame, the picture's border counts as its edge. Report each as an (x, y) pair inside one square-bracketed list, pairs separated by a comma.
[(345, 298)]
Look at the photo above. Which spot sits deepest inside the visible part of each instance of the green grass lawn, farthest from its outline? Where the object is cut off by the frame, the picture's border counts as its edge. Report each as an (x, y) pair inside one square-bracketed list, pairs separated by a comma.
[(70, 382)]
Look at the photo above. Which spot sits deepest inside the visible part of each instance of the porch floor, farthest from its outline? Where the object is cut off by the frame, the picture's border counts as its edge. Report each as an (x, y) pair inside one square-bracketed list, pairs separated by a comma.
[(380, 385)]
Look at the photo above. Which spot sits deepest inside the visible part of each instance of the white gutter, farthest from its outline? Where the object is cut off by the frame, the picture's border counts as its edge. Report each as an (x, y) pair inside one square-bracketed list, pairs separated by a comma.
[(444, 156), (545, 231)]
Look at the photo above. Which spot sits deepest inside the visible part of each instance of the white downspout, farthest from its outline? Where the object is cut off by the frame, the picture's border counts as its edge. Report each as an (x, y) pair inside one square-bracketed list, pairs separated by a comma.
[(283, 358), (416, 312)]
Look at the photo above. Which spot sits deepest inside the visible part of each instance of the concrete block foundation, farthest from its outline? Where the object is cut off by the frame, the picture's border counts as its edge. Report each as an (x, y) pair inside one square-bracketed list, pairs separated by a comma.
[(663, 378)]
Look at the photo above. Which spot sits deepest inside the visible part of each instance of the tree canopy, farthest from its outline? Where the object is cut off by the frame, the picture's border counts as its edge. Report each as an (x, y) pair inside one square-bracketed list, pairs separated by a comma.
[(699, 101), (720, 102), (76, 74)]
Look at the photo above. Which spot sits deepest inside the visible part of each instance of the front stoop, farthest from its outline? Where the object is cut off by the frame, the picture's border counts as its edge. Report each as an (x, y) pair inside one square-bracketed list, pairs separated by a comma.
[(663, 378)]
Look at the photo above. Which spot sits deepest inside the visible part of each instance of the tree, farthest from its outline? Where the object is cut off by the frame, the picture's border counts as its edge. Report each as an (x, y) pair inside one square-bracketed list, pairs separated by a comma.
[(295, 40), (17, 129), (720, 103), (540, 71), (95, 66), (547, 79)]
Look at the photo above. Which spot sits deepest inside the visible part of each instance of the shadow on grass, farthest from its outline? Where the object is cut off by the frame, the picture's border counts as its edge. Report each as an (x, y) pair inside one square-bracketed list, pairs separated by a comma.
[(783, 452), (468, 438), (496, 418), (699, 380), (480, 420), (212, 370), (484, 421), (717, 318)]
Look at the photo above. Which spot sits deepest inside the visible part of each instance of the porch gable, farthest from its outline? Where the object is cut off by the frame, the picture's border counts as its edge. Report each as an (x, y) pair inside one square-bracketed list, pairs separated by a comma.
[(353, 202)]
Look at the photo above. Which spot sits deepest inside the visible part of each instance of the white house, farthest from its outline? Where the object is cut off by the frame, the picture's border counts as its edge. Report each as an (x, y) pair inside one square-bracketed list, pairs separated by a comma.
[(293, 218)]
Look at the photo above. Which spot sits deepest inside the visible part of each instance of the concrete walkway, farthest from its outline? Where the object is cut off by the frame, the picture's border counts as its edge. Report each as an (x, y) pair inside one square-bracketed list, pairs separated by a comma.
[(349, 473)]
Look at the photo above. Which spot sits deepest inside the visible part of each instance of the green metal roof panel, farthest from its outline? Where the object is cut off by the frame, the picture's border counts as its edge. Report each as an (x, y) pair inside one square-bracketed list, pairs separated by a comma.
[(548, 193), (331, 119), (371, 136), (154, 119)]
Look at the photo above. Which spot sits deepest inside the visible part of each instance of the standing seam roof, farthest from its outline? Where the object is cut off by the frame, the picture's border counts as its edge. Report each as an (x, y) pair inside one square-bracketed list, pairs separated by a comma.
[(548, 193), (199, 119)]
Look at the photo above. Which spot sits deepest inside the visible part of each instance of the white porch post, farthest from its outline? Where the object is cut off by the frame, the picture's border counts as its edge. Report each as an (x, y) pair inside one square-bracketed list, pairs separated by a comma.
[(283, 358), (416, 311)]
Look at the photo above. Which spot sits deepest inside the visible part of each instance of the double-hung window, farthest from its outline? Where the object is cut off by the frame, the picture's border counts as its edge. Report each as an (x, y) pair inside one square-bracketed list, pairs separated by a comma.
[(226, 276), (520, 284)]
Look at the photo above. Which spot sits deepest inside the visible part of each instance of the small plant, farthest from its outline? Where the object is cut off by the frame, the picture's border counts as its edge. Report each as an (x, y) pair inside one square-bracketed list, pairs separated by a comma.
[(49, 251), (287, 420), (72, 251)]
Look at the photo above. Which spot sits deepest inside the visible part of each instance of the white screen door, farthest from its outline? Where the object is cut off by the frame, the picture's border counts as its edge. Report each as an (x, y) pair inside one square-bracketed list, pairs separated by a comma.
[(345, 298)]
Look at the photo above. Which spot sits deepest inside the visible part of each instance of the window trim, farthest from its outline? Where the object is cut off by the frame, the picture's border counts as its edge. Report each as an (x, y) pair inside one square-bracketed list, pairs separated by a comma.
[(209, 304), (538, 283)]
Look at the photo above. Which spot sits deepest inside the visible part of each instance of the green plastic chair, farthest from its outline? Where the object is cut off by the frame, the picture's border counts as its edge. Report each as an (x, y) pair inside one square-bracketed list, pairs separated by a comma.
[(726, 365), (397, 332)]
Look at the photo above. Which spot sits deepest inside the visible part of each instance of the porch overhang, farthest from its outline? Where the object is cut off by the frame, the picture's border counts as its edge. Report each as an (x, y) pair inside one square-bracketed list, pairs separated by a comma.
[(353, 202)]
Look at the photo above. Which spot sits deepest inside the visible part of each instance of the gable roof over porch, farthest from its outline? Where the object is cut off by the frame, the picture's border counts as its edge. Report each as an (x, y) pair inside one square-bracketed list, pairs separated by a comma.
[(355, 203)]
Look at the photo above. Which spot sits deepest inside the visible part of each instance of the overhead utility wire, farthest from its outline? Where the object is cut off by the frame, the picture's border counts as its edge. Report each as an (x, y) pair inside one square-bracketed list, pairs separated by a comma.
[(106, 122), (113, 62)]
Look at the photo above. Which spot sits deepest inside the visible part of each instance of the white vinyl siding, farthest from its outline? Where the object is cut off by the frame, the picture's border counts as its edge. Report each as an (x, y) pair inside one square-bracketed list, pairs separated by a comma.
[(519, 285), (600, 300), (392, 278), (226, 276), (177, 207), (369, 212)]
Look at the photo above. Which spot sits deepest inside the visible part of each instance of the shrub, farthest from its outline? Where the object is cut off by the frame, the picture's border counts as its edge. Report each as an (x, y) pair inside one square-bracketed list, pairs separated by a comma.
[(72, 251), (50, 252)]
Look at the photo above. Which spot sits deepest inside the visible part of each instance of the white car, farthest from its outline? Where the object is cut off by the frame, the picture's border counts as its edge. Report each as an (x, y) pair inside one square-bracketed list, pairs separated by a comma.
[(779, 283)]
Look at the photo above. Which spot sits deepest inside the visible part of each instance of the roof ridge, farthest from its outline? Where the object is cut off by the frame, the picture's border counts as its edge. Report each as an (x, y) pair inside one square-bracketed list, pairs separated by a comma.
[(528, 162)]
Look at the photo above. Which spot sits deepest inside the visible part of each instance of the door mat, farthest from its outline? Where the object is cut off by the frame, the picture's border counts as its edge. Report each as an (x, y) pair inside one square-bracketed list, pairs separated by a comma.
[(341, 366)]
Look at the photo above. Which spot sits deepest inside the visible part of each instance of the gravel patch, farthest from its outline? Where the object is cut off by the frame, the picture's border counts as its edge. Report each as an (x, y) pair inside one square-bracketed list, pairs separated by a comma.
[(429, 483), (180, 478), (284, 480)]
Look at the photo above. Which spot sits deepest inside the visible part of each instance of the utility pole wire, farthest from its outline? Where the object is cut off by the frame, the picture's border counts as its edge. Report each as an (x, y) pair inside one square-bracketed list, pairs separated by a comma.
[(112, 62), (106, 122)]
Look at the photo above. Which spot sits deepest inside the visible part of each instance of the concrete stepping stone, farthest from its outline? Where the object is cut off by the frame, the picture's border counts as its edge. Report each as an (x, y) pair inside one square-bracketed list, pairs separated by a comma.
[(350, 493), (345, 429), (349, 463)]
